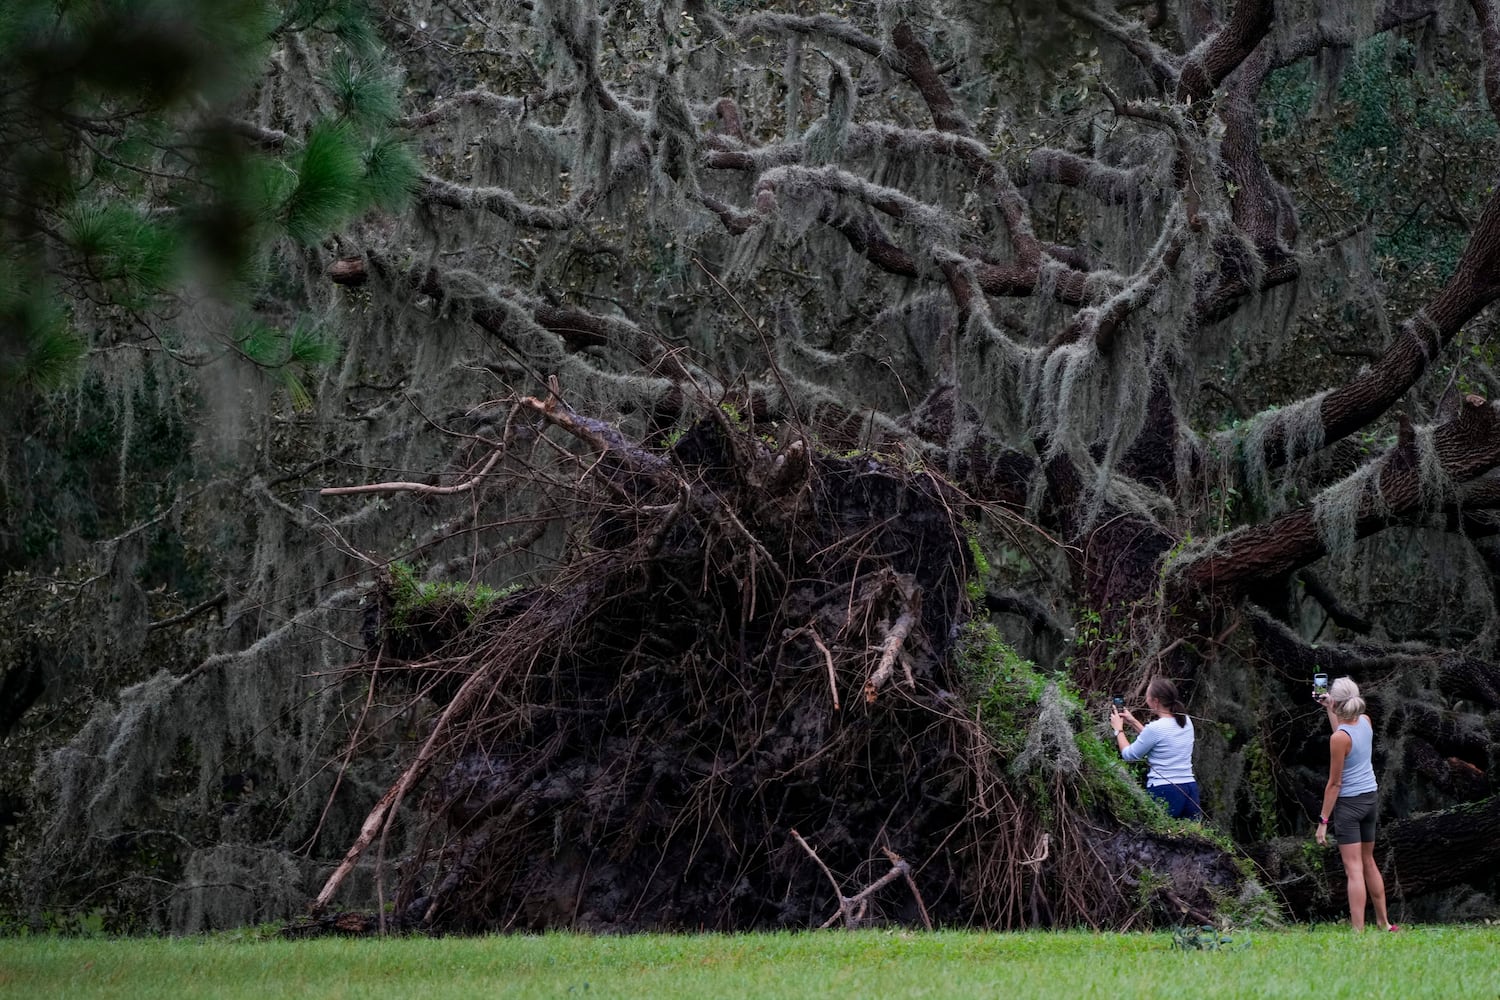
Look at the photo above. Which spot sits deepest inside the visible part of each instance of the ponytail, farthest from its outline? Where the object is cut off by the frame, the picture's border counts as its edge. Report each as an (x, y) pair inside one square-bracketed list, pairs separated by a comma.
[(1165, 692)]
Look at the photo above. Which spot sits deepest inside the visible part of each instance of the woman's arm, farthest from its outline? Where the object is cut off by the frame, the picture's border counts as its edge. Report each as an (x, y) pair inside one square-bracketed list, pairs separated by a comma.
[(1142, 746), (1339, 745)]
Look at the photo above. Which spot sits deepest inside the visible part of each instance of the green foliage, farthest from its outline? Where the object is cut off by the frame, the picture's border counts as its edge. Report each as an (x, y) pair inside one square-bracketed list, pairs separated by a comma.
[(1005, 687), (347, 20), (390, 173), (1109, 786), (1009, 694), (40, 350), (121, 246), (90, 90), (1205, 937), (1398, 143), (290, 357), (115, 174), (1262, 781), (363, 92), (982, 568), (415, 598), (329, 171)]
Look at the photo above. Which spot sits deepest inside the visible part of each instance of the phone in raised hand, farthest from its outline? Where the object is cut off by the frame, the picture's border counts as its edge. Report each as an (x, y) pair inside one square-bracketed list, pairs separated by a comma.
[(1320, 686)]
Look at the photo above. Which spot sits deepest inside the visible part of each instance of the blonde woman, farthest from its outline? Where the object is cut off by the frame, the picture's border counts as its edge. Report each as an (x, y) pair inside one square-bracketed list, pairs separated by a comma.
[(1350, 800)]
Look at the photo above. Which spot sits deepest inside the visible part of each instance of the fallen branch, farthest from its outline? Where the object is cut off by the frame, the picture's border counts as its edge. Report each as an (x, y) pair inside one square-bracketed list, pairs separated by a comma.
[(853, 908), (891, 648), (405, 487), (817, 640), (911, 883), (379, 818), (217, 601), (833, 687)]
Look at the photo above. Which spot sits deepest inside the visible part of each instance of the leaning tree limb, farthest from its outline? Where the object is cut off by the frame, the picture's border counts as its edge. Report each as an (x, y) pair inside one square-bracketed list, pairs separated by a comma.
[(1330, 603), (1329, 33), (1475, 285), (379, 819), (1213, 59), (853, 908), (1159, 63), (1466, 447), (890, 647)]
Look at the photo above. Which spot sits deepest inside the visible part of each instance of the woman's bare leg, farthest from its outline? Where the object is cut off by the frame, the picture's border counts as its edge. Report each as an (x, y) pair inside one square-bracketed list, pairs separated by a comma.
[(1374, 883), (1354, 875)]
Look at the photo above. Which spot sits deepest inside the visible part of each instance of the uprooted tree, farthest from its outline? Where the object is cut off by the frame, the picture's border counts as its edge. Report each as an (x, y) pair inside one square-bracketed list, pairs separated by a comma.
[(852, 397)]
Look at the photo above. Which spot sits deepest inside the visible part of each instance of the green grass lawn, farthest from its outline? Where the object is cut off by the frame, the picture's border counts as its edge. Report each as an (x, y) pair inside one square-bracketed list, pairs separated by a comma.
[(1323, 962)]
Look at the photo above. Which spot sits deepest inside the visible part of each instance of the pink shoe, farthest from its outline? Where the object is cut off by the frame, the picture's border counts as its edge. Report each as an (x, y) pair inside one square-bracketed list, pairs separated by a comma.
[(1393, 928)]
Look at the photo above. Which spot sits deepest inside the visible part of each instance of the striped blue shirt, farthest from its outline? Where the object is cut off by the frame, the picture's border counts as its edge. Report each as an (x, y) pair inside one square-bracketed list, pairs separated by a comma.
[(1168, 748)]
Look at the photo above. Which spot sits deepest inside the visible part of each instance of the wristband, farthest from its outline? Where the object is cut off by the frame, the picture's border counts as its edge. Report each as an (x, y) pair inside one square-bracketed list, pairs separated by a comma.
[(1322, 820)]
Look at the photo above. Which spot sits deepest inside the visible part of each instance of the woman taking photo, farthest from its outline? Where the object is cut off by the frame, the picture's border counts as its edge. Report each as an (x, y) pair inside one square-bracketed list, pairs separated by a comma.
[(1349, 800), (1166, 743)]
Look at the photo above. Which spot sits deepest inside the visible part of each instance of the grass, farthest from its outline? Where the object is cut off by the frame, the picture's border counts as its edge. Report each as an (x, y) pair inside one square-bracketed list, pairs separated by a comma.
[(1323, 962)]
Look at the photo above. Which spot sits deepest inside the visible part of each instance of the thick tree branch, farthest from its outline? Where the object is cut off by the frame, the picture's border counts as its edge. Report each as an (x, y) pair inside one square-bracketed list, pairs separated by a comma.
[(1171, 119), (511, 107), (1466, 447), (908, 57), (987, 174), (1474, 286), (1112, 313), (495, 201), (1330, 603), (577, 328), (916, 64), (1326, 33), (826, 25), (1018, 278), (1261, 207), (1111, 185), (1221, 53)]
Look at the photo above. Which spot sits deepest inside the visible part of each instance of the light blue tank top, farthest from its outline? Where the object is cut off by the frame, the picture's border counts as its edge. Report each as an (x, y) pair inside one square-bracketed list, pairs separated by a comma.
[(1359, 772)]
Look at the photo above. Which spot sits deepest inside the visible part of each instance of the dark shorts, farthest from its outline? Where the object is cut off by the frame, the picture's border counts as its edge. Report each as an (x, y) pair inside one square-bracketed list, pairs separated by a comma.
[(1354, 818), (1181, 799)]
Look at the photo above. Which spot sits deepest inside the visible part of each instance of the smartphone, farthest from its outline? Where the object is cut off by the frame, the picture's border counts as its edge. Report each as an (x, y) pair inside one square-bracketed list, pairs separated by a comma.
[(1320, 685), (1119, 703)]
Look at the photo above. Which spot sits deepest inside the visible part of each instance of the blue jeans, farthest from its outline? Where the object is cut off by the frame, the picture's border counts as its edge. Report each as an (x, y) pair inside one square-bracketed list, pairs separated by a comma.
[(1181, 799)]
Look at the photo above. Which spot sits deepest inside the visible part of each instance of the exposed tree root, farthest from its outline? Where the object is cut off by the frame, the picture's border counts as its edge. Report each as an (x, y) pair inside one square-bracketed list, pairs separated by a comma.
[(639, 744)]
